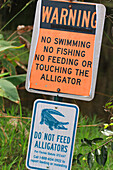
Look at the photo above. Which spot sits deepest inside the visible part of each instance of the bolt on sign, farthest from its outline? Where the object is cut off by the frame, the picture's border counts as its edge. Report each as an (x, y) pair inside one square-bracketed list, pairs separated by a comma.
[(52, 135), (65, 49)]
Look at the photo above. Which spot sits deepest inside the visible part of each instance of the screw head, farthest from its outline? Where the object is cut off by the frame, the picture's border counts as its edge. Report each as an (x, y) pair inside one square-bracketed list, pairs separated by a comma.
[(58, 90), (70, 6)]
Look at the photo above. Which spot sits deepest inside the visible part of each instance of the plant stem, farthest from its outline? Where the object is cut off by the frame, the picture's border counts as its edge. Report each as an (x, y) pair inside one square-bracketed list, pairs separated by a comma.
[(20, 110), (16, 15), (11, 35), (16, 117), (16, 57), (5, 4), (108, 37), (101, 146)]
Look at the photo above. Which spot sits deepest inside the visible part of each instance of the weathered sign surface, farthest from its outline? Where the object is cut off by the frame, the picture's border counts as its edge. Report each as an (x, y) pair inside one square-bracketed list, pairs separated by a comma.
[(52, 135), (65, 49)]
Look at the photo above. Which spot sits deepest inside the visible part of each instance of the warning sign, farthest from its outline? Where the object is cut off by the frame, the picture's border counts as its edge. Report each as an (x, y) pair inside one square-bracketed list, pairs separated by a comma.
[(52, 136), (65, 49)]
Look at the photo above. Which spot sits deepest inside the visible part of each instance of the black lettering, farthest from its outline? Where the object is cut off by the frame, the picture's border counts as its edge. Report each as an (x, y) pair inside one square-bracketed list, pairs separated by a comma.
[(59, 78), (47, 78), (89, 64), (51, 78), (88, 44), (51, 68), (81, 73), (54, 58), (84, 63), (46, 67), (69, 78), (69, 70), (83, 54), (76, 71), (86, 73), (41, 67), (73, 81), (63, 60), (58, 60), (48, 49), (76, 62), (78, 82), (43, 39), (78, 53), (42, 77), (41, 58), (56, 41), (49, 58), (64, 80), (37, 66), (46, 39), (56, 69), (37, 57)]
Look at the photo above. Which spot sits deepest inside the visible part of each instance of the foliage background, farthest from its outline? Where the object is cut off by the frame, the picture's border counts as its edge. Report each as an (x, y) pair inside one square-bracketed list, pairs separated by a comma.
[(13, 143)]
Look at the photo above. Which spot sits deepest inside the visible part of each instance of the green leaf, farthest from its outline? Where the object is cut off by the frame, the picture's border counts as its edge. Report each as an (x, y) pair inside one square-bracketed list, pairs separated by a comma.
[(9, 91), (97, 140), (4, 45), (1, 37), (112, 146), (12, 163), (107, 104), (106, 126), (109, 107), (17, 79), (4, 74), (90, 159), (2, 137), (1, 103), (98, 156), (78, 158), (86, 142), (8, 66), (74, 161), (18, 47), (104, 154)]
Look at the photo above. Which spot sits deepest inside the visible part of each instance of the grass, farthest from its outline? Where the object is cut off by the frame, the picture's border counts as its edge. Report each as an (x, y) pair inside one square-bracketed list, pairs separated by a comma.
[(21, 54), (90, 133), (14, 140)]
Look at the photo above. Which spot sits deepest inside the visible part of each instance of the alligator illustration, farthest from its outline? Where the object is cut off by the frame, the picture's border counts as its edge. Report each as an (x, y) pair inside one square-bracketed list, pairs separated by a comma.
[(49, 120)]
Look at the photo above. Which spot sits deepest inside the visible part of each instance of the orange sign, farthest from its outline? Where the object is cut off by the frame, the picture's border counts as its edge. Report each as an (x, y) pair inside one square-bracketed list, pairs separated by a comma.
[(63, 60)]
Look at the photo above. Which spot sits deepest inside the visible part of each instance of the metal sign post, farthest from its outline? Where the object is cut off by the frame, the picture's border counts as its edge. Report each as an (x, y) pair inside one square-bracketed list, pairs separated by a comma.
[(63, 62)]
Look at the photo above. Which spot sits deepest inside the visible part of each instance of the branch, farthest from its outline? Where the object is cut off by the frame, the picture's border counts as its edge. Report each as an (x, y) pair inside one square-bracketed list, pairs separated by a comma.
[(100, 146)]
